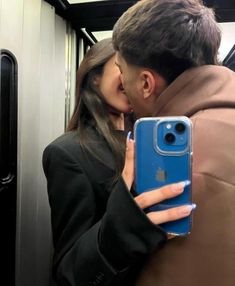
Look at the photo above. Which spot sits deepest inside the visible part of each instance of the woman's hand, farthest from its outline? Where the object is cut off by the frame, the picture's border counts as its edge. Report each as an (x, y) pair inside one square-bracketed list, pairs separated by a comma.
[(152, 197), (128, 171)]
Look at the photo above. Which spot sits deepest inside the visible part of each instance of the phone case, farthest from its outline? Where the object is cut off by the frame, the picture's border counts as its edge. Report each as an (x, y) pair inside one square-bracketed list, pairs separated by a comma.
[(163, 155)]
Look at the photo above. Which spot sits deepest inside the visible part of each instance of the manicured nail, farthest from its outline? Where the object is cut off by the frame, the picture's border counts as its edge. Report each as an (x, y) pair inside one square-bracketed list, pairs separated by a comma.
[(186, 210), (187, 183), (128, 136), (180, 186), (193, 206)]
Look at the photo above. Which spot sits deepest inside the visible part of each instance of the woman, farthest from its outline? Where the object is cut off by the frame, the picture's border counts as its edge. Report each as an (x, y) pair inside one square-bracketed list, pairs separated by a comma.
[(99, 229)]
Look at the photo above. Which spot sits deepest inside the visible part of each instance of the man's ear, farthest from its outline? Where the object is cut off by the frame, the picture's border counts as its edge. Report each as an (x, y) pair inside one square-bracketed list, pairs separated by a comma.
[(148, 83)]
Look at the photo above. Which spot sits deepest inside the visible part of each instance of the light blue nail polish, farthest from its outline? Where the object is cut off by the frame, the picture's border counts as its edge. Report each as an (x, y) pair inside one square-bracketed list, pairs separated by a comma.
[(128, 136), (193, 206), (187, 183)]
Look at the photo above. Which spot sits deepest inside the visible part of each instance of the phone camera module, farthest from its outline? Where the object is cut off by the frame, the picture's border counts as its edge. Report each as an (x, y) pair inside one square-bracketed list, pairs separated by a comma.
[(170, 138), (179, 127)]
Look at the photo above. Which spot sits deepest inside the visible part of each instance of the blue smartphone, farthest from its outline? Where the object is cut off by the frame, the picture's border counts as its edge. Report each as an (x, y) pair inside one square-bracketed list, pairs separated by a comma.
[(163, 155)]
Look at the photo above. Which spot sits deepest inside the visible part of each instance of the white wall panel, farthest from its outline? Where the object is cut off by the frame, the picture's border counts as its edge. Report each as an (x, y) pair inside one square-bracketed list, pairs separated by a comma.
[(41, 119), (51, 123), (28, 144), (36, 36), (228, 39), (103, 35), (70, 69), (58, 114), (46, 123), (11, 13), (1, 23)]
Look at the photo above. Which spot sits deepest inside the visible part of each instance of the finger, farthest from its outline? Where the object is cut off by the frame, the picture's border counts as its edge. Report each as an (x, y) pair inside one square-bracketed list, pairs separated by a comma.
[(129, 149), (150, 198), (172, 214), (128, 171)]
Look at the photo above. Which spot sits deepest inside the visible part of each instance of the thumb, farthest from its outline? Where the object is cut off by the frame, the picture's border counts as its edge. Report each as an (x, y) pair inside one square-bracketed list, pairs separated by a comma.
[(128, 171)]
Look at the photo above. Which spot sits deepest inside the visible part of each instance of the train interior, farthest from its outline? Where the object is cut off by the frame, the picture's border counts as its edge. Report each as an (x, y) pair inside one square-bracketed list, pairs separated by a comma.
[(41, 46)]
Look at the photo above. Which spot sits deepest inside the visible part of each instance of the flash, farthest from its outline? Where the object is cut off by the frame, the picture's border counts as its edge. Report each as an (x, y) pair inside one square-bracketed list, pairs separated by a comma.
[(168, 126)]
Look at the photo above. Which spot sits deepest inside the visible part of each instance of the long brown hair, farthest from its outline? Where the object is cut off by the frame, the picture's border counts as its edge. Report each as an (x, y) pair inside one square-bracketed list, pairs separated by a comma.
[(90, 107)]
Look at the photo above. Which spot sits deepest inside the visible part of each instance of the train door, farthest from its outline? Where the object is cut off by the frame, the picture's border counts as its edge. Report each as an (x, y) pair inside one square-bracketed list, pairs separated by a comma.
[(8, 164)]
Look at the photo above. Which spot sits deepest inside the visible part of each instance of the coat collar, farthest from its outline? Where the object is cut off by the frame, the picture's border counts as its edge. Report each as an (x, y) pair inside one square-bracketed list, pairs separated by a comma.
[(197, 89)]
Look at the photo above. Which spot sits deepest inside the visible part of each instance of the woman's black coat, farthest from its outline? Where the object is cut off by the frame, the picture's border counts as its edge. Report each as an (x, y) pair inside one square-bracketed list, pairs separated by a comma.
[(99, 232)]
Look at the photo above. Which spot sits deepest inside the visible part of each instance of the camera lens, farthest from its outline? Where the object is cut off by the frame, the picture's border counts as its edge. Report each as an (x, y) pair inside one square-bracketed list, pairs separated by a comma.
[(170, 138), (180, 127)]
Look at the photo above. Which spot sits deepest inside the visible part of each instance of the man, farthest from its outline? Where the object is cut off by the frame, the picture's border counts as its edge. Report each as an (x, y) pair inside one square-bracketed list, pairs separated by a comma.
[(167, 54)]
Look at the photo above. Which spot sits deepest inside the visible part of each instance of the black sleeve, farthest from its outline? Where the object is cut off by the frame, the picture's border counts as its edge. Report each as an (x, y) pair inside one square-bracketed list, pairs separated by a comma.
[(87, 251)]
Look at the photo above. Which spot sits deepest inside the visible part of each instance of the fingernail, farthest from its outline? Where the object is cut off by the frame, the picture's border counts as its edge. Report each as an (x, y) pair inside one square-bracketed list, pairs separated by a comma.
[(128, 136), (186, 210), (193, 206), (187, 183), (178, 188)]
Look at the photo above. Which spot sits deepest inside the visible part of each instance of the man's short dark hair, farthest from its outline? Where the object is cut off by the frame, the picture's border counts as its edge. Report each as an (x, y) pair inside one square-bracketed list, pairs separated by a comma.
[(168, 36)]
